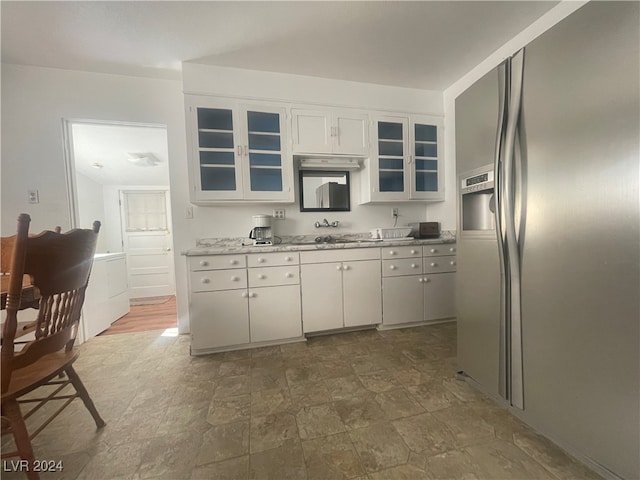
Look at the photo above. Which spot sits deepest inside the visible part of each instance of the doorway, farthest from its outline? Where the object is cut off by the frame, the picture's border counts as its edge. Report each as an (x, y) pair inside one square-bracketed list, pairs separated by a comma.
[(118, 173)]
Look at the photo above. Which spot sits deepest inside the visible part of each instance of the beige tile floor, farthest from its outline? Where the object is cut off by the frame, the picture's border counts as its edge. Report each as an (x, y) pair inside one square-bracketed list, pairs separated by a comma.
[(361, 405)]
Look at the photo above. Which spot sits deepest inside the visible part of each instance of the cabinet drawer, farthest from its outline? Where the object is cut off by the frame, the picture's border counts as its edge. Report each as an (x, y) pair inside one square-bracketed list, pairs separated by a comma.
[(440, 264), (271, 276), (401, 252), (340, 255), (208, 281), (216, 262), (272, 259), (401, 266), (439, 249)]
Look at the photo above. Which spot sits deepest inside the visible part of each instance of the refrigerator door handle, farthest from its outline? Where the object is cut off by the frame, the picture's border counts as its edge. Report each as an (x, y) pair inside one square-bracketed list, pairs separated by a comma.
[(503, 92), (515, 372)]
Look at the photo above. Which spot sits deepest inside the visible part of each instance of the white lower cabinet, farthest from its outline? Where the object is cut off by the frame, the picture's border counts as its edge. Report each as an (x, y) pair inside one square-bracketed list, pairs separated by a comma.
[(240, 306), (219, 319), (418, 289), (341, 293)]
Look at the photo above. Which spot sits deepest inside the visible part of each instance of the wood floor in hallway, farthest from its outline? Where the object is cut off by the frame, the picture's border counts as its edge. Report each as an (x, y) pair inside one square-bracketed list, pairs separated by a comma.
[(143, 318)]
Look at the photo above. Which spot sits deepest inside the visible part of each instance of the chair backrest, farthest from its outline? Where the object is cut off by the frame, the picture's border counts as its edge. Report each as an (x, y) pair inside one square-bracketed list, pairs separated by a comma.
[(59, 265)]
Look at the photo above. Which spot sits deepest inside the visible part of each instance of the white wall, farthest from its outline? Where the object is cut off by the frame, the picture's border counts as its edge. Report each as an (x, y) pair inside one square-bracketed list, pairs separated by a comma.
[(91, 208), (34, 103)]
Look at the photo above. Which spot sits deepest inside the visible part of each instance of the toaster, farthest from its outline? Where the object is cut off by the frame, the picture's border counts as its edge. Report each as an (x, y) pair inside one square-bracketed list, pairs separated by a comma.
[(425, 229)]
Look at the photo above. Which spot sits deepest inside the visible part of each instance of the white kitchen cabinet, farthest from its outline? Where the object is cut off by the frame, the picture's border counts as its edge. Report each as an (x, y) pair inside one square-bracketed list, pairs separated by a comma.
[(218, 319), (238, 151), (330, 132), (341, 293), (235, 301), (407, 160), (418, 289)]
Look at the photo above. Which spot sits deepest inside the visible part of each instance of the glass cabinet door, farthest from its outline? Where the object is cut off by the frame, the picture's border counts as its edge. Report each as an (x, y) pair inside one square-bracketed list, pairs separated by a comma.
[(391, 153), (264, 140), (425, 141), (216, 150)]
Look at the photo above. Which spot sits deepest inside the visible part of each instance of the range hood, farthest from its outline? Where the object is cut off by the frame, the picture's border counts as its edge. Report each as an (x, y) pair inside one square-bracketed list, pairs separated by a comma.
[(329, 163)]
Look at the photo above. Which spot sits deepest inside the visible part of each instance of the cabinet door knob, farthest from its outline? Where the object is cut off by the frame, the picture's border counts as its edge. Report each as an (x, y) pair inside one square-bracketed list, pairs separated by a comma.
[(421, 280), (433, 250), (413, 252), (245, 294), (205, 280), (253, 295), (235, 279), (204, 263), (426, 280), (433, 264), (392, 267), (338, 267), (346, 267), (233, 262), (260, 260), (262, 277), (392, 252)]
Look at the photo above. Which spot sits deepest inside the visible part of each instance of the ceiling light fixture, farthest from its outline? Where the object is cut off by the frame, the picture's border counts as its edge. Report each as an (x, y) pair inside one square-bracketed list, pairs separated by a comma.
[(145, 159)]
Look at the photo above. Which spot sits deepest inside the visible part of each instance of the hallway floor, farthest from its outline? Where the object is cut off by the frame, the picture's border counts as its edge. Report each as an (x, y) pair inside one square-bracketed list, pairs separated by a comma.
[(362, 405)]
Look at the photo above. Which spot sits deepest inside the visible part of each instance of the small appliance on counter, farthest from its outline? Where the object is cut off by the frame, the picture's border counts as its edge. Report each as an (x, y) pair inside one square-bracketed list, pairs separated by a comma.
[(262, 231), (425, 229)]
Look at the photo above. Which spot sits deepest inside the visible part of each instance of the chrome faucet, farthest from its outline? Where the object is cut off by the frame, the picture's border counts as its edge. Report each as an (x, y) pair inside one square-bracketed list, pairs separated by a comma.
[(325, 223)]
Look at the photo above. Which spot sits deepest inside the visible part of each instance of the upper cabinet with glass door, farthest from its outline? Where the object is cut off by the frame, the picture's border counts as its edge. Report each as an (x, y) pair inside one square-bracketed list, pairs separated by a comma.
[(238, 152), (406, 161)]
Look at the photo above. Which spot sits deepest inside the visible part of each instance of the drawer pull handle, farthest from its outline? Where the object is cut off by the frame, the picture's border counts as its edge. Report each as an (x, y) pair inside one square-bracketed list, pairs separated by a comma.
[(433, 250), (392, 267), (413, 252), (452, 249), (288, 259), (289, 275), (413, 265), (261, 260), (262, 277), (204, 263), (392, 252), (233, 262), (434, 264), (235, 279), (205, 280), (452, 262)]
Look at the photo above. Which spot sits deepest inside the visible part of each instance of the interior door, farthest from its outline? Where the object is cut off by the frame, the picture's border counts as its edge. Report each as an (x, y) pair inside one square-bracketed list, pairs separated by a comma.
[(147, 242)]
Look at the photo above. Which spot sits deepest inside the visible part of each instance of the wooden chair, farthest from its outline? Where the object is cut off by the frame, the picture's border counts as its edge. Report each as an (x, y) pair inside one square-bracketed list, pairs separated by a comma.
[(59, 265)]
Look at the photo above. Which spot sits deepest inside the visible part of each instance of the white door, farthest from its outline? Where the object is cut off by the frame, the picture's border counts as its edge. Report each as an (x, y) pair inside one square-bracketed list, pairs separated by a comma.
[(147, 242), (274, 313), (321, 296), (351, 134)]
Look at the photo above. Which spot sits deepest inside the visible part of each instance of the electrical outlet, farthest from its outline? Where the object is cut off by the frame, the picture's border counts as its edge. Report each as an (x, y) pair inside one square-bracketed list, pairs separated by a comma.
[(33, 196), (278, 213), (394, 213)]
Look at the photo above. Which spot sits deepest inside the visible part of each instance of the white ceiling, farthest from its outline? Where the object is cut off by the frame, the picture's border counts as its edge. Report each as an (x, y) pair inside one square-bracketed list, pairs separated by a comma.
[(420, 44), (109, 146)]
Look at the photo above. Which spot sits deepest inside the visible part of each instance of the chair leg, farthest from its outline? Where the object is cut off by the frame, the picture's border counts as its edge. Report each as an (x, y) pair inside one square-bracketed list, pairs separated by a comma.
[(84, 395), (11, 410)]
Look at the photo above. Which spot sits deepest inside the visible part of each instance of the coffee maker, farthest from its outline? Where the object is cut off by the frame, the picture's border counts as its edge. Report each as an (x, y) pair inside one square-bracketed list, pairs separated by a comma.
[(262, 231)]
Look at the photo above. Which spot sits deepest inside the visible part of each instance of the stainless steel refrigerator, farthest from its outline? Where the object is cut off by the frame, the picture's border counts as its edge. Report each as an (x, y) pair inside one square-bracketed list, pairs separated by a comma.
[(547, 155)]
